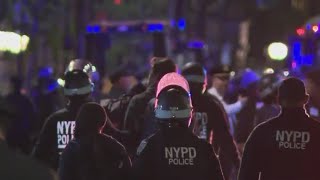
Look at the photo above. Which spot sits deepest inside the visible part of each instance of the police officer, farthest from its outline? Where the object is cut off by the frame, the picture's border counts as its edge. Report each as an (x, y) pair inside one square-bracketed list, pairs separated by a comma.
[(209, 119), (286, 147), (174, 152), (59, 127), (136, 110)]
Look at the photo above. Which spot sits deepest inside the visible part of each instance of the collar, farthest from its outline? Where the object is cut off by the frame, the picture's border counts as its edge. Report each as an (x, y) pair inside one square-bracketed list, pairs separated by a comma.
[(294, 112)]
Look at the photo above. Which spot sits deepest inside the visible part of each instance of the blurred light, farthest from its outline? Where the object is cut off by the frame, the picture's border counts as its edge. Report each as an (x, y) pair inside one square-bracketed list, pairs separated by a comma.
[(45, 72), (248, 77), (93, 29), (61, 82), (232, 73), (307, 59), (13, 42), (94, 69), (286, 73), (268, 71), (172, 23), (195, 44), (71, 66), (181, 24), (117, 2), (277, 51), (96, 29), (300, 31), (297, 48), (89, 29), (315, 29), (293, 64), (52, 86), (123, 28), (308, 27), (155, 27)]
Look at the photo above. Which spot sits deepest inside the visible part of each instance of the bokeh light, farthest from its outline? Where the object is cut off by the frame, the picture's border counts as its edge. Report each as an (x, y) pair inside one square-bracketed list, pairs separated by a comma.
[(277, 51), (13, 42)]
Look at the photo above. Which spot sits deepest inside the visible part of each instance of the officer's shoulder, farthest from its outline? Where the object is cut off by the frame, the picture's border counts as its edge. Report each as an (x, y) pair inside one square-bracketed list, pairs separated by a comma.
[(138, 97), (56, 115), (264, 127), (211, 98), (314, 123), (112, 142), (144, 144)]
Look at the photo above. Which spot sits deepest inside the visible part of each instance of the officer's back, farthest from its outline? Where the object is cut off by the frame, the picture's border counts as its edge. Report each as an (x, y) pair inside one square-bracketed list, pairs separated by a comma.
[(174, 152), (285, 147), (59, 127), (177, 153)]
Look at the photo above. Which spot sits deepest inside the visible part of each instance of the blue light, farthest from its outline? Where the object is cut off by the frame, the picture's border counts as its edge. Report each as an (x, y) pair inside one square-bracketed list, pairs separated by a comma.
[(308, 59), (299, 58), (89, 29), (45, 72), (181, 24), (52, 86), (195, 44), (155, 27), (172, 23), (308, 26), (96, 29), (297, 51), (123, 28)]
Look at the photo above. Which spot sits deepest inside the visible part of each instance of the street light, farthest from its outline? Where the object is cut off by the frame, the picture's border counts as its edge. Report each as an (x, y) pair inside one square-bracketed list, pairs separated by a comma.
[(277, 51)]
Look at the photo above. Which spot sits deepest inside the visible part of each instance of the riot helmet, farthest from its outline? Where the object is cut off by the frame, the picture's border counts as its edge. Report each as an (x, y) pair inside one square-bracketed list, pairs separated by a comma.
[(196, 76), (77, 79), (173, 102)]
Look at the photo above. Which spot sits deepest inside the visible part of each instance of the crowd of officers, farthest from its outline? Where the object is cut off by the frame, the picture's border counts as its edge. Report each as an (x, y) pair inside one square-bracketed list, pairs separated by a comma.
[(173, 129)]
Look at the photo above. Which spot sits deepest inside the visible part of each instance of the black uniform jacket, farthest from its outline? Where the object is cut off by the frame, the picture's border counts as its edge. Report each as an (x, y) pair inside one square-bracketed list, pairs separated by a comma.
[(284, 148), (176, 153)]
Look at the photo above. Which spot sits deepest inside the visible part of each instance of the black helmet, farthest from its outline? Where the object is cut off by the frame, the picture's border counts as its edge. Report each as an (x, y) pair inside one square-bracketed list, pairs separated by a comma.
[(268, 85), (194, 72), (77, 79), (196, 76), (173, 102)]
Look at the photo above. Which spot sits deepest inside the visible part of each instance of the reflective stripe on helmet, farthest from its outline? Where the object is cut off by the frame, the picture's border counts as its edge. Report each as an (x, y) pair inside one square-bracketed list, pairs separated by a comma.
[(172, 79), (78, 91), (169, 114), (195, 78)]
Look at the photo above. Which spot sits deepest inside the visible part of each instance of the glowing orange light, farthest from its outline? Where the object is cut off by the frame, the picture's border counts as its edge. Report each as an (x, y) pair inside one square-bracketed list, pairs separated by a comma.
[(315, 29)]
